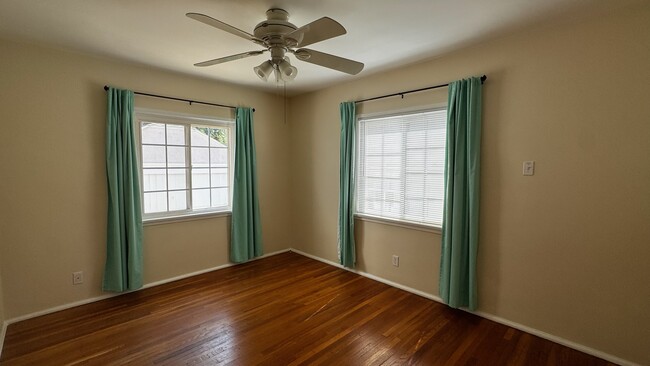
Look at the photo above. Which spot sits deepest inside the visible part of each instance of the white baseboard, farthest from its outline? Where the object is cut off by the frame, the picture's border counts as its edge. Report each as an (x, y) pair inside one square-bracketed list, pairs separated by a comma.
[(521, 327), (556, 339), (2, 335), (148, 285)]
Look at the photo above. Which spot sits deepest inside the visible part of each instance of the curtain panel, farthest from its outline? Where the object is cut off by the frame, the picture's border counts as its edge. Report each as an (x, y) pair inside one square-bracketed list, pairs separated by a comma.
[(345, 237), (123, 269), (458, 287), (246, 227)]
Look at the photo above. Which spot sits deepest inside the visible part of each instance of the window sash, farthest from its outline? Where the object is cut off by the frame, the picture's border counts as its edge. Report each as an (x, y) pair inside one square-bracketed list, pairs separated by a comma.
[(400, 166), (217, 186)]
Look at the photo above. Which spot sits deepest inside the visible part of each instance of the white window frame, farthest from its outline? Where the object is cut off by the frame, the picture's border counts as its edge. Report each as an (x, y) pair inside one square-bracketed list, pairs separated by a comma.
[(382, 219), (156, 116)]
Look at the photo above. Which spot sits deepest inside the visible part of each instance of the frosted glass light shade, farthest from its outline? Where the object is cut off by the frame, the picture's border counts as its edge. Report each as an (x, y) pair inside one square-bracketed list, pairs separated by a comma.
[(264, 70)]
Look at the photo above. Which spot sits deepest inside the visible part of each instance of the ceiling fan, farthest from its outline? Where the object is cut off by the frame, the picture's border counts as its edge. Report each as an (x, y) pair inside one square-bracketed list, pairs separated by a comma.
[(280, 37)]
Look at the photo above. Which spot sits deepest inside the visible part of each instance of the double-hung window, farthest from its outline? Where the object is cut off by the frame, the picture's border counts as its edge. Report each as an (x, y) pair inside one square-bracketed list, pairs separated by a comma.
[(400, 166), (185, 163)]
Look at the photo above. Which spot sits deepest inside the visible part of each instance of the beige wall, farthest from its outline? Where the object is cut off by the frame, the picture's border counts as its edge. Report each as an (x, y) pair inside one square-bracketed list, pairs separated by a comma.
[(53, 190), (2, 303), (564, 251)]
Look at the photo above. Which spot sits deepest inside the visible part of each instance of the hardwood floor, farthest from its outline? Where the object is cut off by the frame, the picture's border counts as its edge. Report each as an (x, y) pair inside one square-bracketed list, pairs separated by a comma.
[(282, 310)]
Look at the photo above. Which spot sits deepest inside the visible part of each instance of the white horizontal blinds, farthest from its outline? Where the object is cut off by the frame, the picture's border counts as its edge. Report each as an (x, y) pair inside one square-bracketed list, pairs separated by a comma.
[(401, 166)]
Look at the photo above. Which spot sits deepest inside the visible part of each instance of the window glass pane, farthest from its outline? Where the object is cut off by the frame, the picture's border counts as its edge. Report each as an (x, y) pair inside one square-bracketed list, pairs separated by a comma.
[(154, 180), (177, 200), (392, 166), (153, 156), (200, 198), (199, 136), (436, 137), (177, 178), (200, 157), (175, 134), (415, 185), (413, 209), (176, 157), (392, 209), (393, 143), (219, 157), (152, 133), (200, 178), (373, 165), (219, 177), (373, 207), (374, 144), (218, 137), (219, 197), (434, 185), (155, 202), (416, 139), (436, 160), (433, 209), (415, 160)]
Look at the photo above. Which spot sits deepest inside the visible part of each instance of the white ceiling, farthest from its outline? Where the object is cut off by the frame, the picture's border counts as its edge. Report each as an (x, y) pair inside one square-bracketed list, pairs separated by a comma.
[(381, 33)]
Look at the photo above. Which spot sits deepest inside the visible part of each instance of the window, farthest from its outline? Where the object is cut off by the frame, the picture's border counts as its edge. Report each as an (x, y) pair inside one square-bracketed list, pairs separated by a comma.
[(400, 166), (185, 165)]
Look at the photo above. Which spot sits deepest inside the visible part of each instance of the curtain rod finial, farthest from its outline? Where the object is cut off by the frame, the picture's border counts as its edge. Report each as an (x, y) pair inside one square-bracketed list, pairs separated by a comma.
[(483, 78), (105, 87)]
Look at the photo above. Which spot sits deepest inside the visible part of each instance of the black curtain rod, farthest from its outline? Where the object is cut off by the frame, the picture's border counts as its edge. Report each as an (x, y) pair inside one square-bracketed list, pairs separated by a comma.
[(181, 99), (483, 78)]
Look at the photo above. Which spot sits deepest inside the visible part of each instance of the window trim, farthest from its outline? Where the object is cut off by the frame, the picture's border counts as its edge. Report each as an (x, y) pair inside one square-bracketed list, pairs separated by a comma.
[(189, 120), (389, 220), (399, 223)]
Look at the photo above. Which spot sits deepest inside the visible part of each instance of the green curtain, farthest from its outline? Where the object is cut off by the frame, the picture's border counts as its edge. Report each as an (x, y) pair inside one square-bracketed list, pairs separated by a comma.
[(346, 248), (461, 207), (246, 228), (123, 270)]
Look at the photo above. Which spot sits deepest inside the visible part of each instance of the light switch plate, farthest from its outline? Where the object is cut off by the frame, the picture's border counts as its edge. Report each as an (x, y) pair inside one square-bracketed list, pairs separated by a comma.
[(529, 167)]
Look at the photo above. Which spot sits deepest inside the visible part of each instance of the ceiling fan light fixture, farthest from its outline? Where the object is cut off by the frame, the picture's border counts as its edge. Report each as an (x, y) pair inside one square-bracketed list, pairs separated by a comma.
[(264, 70), (287, 71)]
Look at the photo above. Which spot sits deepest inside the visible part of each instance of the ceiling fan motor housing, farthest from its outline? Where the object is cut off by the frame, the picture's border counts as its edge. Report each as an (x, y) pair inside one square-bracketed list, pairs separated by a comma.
[(272, 30), (276, 25)]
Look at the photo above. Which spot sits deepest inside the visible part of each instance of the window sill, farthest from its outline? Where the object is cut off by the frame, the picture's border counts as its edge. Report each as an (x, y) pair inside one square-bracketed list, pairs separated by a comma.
[(398, 223), (181, 218)]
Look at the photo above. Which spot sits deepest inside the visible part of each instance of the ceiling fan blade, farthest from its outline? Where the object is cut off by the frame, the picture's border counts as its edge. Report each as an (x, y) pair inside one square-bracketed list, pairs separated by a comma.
[(221, 25), (229, 58), (330, 61), (316, 31)]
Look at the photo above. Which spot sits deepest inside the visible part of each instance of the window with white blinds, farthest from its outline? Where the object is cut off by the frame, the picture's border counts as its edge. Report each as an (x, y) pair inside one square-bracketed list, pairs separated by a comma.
[(400, 166)]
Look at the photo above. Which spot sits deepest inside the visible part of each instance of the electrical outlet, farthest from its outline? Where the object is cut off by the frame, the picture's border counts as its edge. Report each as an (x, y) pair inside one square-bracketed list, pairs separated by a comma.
[(77, 278), (396, 260)]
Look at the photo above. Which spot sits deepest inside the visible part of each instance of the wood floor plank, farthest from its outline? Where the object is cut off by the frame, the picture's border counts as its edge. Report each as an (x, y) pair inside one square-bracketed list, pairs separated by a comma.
[(282, 310)]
